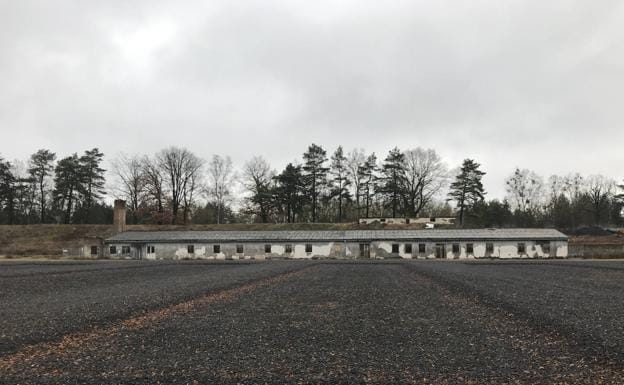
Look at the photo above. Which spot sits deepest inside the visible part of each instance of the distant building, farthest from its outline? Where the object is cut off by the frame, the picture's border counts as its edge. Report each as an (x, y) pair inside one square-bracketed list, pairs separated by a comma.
[(425, 220), (350, 244)]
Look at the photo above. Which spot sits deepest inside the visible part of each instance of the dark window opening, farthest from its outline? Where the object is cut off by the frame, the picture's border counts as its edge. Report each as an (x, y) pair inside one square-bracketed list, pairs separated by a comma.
[(489, 247), (308, 248), (267, 248), (364, 250), (408, 248), (545, 246), (150, 249), (455, 248), (469, 248), (382, 220), (113, 250), (521, 248), (190, 249), (421, 248), (94, 250), (216, 249), (239, 249), (288, 248), (395, 247), (432, 219)]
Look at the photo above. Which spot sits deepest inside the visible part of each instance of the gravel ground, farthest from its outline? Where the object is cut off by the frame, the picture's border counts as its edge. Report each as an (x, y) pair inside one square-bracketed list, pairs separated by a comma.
[(401, 322), (584, 299), (44, 301)]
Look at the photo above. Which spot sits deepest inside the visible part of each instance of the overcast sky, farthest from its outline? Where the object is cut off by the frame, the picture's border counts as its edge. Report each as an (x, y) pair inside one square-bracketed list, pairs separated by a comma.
[(533, 84)]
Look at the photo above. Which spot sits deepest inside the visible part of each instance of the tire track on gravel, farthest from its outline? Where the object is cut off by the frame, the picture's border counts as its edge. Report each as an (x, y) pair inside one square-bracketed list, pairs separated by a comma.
[(28, 355), (27, 274), (586, 352)]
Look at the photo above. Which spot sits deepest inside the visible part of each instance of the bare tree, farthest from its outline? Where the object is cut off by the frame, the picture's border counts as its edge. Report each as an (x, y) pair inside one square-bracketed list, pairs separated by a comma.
[(220, 179), (574, 184), (257, 179), (556, 187), (425, 175), (179, 167), (525, 190), (131, 181), (600, 190), (194, 184), (355, 163), (154, 185)]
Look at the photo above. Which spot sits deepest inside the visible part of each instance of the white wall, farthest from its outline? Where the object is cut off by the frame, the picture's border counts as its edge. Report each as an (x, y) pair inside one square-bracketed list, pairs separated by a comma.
[(351, 250)]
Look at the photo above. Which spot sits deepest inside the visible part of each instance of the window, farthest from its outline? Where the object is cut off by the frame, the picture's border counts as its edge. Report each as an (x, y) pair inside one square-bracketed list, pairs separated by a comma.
[(125, 250), (489, 247), (190, 249), (455, 248), (288, 248), (395, 247), (112, 250), (432, 219), (308, 248), (545, 246), (239, 249), (521, 248), (408, 248), (94, 250), (469, 248), (267, 248), (421, 248), (216, 249), (382, 220), (150, 249)]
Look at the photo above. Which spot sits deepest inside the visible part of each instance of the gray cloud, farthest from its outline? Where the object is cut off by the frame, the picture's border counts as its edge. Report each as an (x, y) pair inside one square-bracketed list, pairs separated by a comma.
[(532, 84)]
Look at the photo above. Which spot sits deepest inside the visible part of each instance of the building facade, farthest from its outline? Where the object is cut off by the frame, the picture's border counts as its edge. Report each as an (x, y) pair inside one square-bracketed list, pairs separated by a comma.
[(350, 244), (406, 221)]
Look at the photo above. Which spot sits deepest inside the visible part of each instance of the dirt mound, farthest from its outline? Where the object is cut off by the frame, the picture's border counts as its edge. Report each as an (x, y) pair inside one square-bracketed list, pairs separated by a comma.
[(593, 231)]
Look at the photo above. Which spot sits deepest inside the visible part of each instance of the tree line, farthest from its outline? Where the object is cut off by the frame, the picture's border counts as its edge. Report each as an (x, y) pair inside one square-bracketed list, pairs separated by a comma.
[(44, 190), (175, 186)]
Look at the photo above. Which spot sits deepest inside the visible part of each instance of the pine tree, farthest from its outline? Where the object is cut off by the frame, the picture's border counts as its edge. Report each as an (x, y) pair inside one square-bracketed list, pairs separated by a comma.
[(340, 182), (68, 178), (93, 177), (41, 166), (467, 189), (289, 191), (315, 174), (393, 171), (7, 190), (367, 174)]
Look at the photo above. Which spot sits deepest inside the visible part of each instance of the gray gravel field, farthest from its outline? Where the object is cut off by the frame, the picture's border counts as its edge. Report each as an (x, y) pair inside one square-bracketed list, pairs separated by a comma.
[(44, 301), (584, 299), (420, 322)]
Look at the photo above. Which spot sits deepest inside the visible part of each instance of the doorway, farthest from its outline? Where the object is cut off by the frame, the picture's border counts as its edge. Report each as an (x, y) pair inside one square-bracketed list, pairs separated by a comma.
[(440, 250), (364, 250)]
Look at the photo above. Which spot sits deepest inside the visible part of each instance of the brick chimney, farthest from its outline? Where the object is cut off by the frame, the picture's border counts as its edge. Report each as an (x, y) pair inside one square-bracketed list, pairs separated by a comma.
[(119, 215)]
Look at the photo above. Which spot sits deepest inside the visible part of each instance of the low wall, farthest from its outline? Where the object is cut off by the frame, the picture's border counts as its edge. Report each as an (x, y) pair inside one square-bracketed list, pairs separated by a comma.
[(596, 250)]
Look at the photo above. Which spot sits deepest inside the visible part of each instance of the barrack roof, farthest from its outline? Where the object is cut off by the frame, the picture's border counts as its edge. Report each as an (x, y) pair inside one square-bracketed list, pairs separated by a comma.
[(335, 235)]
